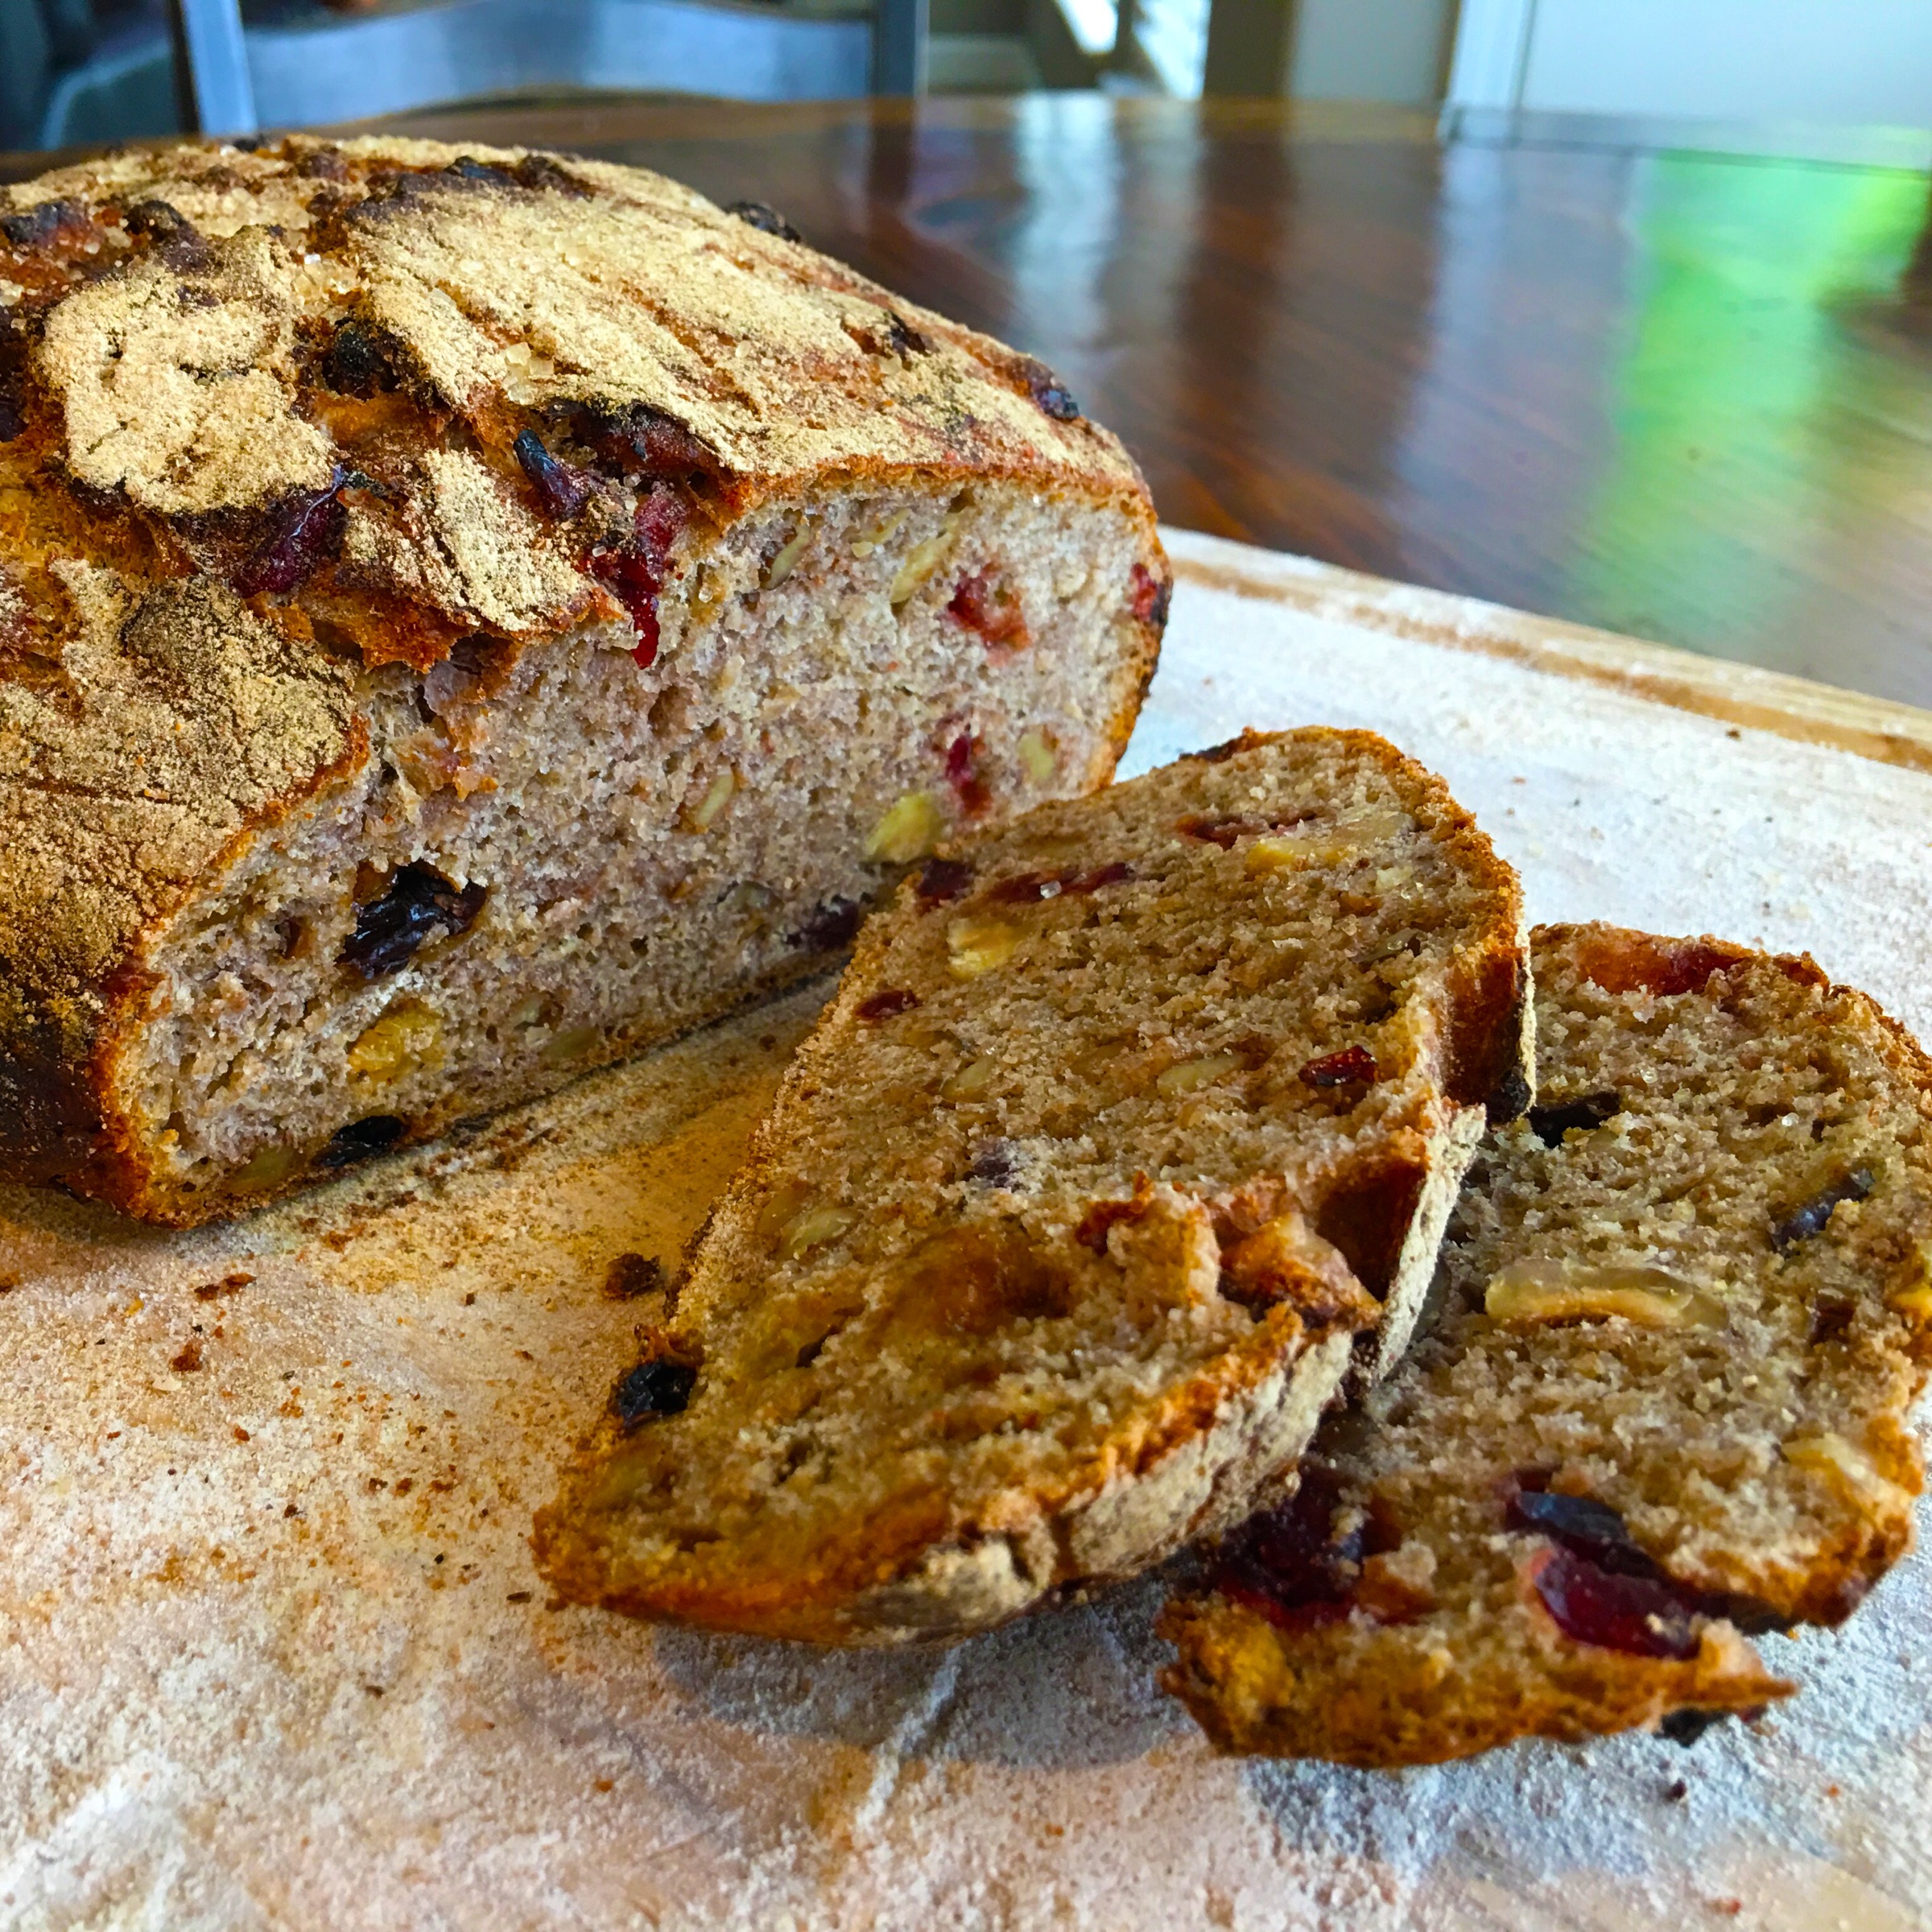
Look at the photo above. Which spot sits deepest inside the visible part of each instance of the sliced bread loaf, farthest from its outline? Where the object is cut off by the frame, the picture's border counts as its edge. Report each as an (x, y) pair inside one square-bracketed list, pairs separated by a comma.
[(1659, 1403), (1125, 1123), (464, 615)]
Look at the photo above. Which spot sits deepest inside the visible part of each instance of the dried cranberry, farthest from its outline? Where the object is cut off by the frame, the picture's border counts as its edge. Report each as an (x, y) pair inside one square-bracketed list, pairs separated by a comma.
[(831, 926), (1811, 1219), (1026, 889), (651, 1389), (420, 904), (1117, 874), (1661, 967), (305, 532), (1149, 601), (971, 791), (634, 574), (563, 489), (767, 221), (1049, 393), (885, 1004), (1223, 833), (943, 879), (361, 1140), (1551, 1122), (1352, 1065), (989, 609), (1635, 1614)]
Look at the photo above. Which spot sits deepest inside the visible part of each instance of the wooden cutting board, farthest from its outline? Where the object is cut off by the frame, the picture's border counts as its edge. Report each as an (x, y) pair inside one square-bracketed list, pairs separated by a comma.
[(272, 1653)]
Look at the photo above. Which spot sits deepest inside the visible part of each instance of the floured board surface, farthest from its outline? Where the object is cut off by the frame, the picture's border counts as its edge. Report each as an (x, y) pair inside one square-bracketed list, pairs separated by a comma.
[(272, 1653)]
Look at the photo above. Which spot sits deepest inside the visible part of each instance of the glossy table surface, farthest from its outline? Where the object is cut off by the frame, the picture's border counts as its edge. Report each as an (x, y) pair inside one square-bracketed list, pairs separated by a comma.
[(1677, 395)]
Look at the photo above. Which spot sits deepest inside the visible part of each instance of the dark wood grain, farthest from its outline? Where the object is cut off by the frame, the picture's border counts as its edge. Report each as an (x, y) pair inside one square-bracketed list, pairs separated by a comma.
[(1680, 395)]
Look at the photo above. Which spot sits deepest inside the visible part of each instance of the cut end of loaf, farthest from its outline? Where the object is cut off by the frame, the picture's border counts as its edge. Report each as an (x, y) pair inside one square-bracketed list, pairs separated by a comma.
[(553, 857)]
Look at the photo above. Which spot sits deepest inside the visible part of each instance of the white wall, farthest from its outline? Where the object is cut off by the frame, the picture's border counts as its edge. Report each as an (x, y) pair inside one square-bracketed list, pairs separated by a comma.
[(1370, 50), (1865, 61)]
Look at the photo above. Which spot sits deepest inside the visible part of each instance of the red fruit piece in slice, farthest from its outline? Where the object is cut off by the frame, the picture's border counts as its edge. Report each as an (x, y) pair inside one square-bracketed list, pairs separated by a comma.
[(987, 608), (884, 1004), (1288, 1562), (1640, 1614), (1148, 599), (634, 573), (1352, 1066), (962, 774), (942, 879)]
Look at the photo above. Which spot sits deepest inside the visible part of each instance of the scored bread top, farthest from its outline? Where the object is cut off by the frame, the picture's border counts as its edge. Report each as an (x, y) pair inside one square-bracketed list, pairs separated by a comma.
[(1682, 1313), (269, 415), (1123, 1122)]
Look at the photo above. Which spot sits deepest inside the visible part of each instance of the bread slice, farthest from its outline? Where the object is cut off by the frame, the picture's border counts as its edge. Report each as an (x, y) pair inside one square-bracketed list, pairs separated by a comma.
[(466, 614), (1125, 1123), (1661, 1402)]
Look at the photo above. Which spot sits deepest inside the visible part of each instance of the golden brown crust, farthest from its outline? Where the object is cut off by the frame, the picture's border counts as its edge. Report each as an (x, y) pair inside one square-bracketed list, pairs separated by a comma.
[(258, 419)]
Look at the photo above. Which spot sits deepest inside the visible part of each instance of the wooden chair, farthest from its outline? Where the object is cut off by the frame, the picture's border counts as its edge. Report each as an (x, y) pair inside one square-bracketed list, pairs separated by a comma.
[(235, 79)]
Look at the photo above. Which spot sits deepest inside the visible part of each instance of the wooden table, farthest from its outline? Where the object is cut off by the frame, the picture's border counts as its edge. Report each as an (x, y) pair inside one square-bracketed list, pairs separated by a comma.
[(1676, 394)]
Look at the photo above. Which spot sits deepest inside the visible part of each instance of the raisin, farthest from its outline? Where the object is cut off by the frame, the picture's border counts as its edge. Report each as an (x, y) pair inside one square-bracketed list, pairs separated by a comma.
[(1149, 599), (173, 236), (360, 360), (767, 219), (12, 403), (563, 489), (1831, 1318), (35, 227), (541, 173), (887, 1003), (832, 924), (651, 1389), (467, 167), (361, 1140), (995, 1163), (323, 164), (1049, 393), (1352, 1065), (1635, 1614), (1288, 1563), (1551, 1122), (419, 904), (636, 440), (305, 531), (905, 341), (1585, 1527), (633, 1275), (989, 609), (1803, 1223), (1685, 1728), (971, 791), (943, 879)]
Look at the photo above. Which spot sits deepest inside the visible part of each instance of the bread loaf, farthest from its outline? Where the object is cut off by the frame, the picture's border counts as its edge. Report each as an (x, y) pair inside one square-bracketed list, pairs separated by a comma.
[(465, 616), (1661, 1403), (1126, 1125)]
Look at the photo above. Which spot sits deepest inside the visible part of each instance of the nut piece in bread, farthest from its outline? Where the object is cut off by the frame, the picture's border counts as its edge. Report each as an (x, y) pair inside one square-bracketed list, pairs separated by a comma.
[(467, 614), (1659, 1404), (1129, 1127)]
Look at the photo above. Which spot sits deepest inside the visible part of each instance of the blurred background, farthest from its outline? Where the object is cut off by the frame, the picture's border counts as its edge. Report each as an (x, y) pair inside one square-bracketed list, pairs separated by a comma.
[(76, 72), (1619, 311)]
